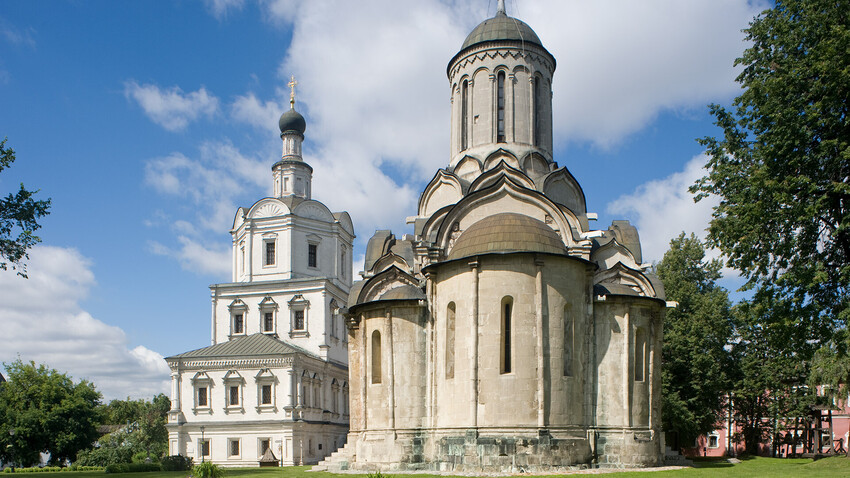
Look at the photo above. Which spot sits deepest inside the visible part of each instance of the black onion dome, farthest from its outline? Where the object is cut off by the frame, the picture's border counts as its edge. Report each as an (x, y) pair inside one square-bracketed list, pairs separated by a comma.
[(292, 121), (501, 27)]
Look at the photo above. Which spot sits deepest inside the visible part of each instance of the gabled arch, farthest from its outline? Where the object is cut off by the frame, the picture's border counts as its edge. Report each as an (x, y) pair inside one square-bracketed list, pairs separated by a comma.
[(314, 210), (239, 218), (535, 166), (561, 187), (268, 207), (468, 167), (510, 197), (498, 156), (383, 282), (443, 190), (612, 253), (625, 276), (389, 260), (503, 168)]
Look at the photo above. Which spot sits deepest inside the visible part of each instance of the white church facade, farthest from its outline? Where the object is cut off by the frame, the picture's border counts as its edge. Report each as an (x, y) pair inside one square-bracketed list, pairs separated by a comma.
[(273, 386), (505, 333)]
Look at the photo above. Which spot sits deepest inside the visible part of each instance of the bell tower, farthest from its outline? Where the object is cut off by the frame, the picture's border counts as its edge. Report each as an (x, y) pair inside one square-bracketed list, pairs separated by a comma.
[(292, 176)]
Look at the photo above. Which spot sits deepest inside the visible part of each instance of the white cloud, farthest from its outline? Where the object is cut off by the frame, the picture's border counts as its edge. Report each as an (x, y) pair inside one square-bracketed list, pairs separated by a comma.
[(263, 115), (663, 208), (170, 107), (220, 8), (208, 257), (43, 322)]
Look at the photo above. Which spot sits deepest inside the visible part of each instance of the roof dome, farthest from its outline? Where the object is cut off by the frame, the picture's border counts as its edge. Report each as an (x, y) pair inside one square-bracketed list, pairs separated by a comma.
[(292, 121), (507, 232), (501, 27)]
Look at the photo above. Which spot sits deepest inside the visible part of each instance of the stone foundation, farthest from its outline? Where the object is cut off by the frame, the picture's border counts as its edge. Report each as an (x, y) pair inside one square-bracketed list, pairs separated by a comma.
[(470, 451)]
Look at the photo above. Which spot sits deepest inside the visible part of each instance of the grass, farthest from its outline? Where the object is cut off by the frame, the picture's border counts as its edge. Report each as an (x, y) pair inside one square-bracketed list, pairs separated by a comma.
[(703, 468)]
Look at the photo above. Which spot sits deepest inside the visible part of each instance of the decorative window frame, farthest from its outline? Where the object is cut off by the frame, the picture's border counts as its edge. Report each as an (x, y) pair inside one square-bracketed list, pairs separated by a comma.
[(234, 379), (270, 238), (268, 305), (299, 303), (201, 380), (266, 377), (230, 455), (313, 240), (708, 438), (238, 307)]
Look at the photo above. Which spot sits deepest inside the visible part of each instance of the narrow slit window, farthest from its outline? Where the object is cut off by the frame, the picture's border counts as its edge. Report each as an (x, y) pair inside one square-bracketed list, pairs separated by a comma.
[(569, 334), (299, 320), (640, 355), (500, 107), (376, 357), (464, 115), (507, 306), (238, 324), (268, 322), (450, 341), (233, 398), (266, 395), (202, 396)]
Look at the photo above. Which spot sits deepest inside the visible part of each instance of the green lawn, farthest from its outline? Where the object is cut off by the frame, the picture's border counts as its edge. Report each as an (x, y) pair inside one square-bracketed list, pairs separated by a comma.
[(754, 467)]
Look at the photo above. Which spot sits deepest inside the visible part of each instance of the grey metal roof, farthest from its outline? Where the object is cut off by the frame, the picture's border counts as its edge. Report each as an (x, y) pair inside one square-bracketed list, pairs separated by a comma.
[(501, 27), (251, 345), (507, 232), (405, 292)]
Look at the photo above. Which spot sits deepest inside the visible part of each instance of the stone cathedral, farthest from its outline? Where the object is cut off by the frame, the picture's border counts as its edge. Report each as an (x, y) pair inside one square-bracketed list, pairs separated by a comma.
[(505, 333)]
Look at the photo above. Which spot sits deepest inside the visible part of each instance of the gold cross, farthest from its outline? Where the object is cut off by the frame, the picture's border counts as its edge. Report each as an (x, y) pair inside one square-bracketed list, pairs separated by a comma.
[(291, 85)]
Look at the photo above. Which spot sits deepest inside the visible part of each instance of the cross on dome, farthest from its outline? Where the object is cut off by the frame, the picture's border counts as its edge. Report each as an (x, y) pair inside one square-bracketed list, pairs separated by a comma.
[(291, 85)]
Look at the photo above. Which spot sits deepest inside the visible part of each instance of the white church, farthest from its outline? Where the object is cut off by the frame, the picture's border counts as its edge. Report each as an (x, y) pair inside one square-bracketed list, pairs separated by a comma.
[(272, 389), (506, 333)]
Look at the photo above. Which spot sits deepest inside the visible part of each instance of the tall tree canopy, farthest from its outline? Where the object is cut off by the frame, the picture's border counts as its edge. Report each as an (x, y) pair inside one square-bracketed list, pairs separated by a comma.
[(47, 412), (694, 361), (19, 214), (782, 166)]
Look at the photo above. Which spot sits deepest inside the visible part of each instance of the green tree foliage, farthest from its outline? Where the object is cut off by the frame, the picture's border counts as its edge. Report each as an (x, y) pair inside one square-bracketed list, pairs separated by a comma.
[(48, 413), (772, 351), (140, 433), (19, 214), (782, 165), (694, 362)]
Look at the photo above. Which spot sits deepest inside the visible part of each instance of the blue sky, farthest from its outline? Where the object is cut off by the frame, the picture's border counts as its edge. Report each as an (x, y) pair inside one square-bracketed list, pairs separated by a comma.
[(148, 123)]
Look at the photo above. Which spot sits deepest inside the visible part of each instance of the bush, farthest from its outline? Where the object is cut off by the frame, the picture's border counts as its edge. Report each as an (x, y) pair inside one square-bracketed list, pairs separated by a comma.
[(132, 467), (176, 463), (207, 470)]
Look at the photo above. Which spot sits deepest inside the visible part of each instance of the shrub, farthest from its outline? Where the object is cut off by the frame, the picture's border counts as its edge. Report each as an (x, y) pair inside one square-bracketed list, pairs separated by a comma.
[(176, 463), (207, 470)]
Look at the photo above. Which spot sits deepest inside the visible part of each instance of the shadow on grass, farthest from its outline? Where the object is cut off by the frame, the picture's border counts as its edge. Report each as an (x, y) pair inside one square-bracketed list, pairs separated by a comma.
[(713, 462)]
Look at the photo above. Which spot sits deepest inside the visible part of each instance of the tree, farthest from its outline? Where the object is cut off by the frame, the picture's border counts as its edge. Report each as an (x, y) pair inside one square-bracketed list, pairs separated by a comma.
[(48, 413), (782, 171), (694, 362), (141, 433), (19, 214)]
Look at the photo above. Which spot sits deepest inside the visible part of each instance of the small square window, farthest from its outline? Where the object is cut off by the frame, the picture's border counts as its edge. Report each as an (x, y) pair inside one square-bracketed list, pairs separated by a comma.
[(268, 322), (312, 255), (234, 447), (238, 324), (266, 393), (233, 394), (713, 441), (202, 397), (299, 320), (270, 257)]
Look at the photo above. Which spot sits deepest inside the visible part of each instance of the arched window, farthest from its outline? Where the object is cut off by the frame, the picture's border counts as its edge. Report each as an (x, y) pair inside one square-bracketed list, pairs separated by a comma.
[(640, 354), (464, 115), (538, 108), (505, 353), (376, 357), (569, 337), (500, 107), (450, 340)]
